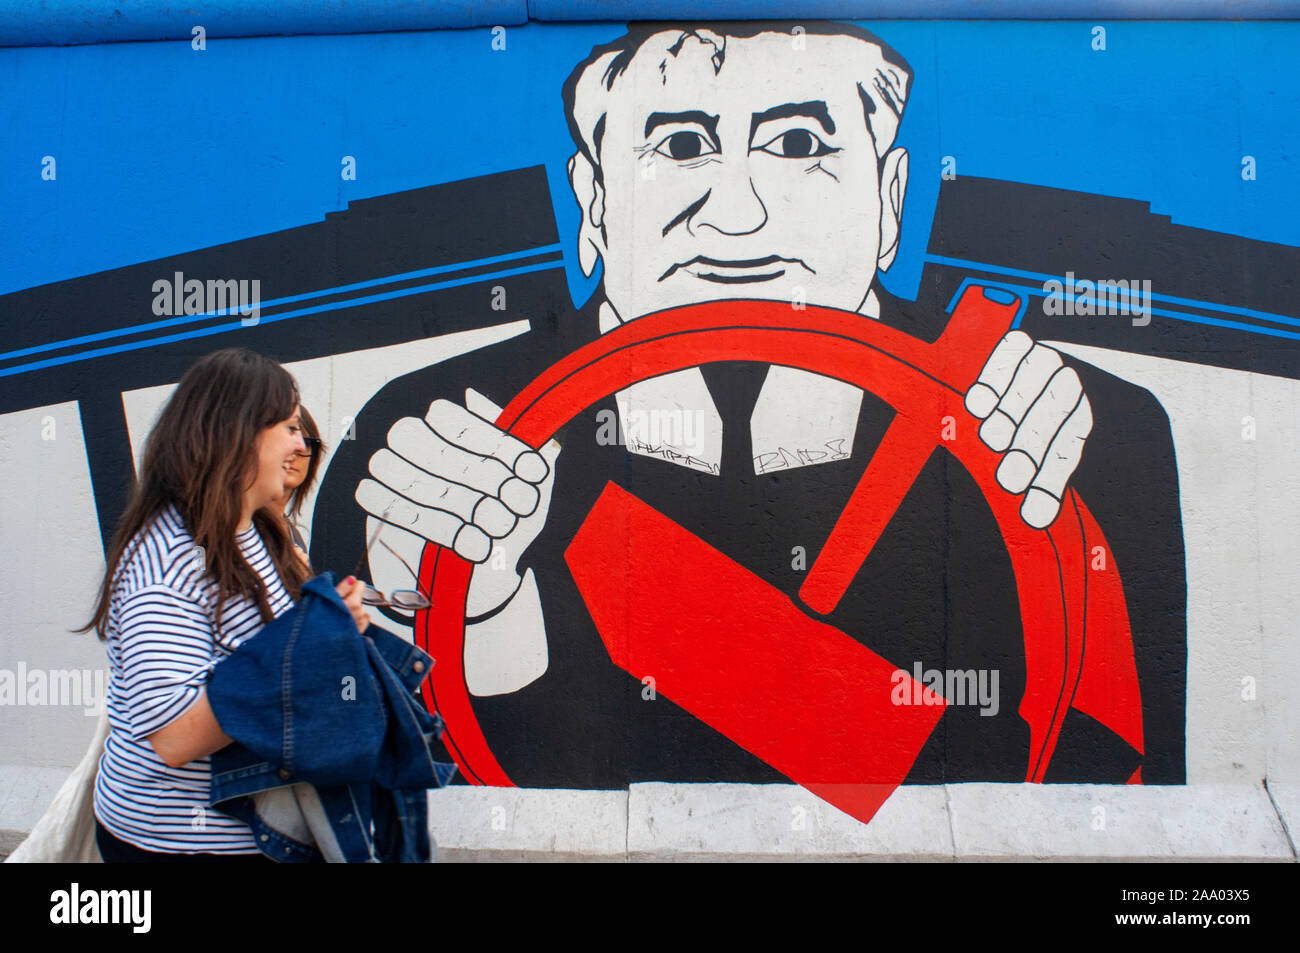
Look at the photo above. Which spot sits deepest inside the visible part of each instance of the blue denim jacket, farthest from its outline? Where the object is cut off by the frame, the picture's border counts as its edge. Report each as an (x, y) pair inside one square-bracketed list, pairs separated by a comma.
[(308, 699)]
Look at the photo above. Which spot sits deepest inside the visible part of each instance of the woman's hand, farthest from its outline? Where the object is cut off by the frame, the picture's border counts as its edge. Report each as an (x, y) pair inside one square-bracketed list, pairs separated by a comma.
[(350, 591)]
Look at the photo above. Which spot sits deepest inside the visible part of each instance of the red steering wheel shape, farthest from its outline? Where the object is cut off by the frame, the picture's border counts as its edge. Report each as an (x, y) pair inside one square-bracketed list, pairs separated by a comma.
[(1069, 589)]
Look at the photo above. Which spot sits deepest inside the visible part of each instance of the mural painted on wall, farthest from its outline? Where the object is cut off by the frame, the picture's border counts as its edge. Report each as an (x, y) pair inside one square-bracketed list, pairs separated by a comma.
[(773, 542), (745, 515)]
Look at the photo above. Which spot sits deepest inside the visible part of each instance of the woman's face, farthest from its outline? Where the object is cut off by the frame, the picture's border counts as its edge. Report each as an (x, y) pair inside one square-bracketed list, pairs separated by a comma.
[(276, 450), (297, 471)]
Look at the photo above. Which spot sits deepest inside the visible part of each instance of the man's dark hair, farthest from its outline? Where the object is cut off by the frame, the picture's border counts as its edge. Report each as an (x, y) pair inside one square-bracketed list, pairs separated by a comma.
[(629, 44)]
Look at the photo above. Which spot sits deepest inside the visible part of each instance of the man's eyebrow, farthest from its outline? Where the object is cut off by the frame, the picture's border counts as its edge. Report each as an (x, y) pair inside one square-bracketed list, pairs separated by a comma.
[(690, 115), (812, 110)]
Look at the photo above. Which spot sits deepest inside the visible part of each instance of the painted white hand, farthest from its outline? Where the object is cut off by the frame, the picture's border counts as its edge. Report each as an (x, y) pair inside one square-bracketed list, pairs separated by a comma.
[(455, 479), (1035, 413), (496, 579)]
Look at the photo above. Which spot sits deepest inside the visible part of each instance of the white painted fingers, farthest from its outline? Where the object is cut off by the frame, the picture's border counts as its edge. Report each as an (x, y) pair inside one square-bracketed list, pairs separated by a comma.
[(1035, 412), (1031, 377), (1043, 501), (1035, 432), (471, 505), (435, 525), (475, 434), (995, 378), (453, 479)]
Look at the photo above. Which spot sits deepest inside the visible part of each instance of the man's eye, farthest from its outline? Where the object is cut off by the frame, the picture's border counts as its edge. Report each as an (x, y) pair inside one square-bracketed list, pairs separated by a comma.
[(796, 144), (685, 145)]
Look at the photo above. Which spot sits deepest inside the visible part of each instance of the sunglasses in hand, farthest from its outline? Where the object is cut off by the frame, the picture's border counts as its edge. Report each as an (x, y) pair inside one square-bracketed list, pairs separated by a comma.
[(408, 599)]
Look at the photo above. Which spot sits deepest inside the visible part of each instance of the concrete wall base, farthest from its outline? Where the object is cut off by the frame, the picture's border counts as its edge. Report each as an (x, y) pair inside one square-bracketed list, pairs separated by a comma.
[(773, 822), (959, 822)]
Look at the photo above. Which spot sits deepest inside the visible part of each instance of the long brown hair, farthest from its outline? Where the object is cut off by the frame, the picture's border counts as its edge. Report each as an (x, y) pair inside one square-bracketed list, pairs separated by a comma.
[(200, 456)]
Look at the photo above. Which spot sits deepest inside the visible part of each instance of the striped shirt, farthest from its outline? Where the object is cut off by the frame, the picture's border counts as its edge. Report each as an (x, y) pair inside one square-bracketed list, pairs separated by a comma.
[(162, 645)]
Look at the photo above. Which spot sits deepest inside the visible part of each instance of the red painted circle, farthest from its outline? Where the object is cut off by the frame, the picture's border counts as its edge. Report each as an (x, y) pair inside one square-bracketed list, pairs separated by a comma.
[(924, 383)]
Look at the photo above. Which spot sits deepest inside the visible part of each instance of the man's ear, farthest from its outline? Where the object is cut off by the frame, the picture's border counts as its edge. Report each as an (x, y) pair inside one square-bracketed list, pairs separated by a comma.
[(893, 187), (591, 201)]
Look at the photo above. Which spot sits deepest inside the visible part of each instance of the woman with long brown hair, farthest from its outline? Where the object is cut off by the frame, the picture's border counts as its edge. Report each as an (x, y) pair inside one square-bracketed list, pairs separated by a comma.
[(201, 560)]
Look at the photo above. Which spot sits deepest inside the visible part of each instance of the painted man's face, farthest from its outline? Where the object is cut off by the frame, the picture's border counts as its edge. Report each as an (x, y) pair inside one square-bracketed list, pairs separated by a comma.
[(756, 180)]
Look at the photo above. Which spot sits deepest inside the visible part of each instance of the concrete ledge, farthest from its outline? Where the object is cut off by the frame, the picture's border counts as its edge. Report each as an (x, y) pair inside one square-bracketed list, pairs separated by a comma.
[(766, 822), (772, 822), (1104, 822), (25, 793), (780, 822), (513, 824)]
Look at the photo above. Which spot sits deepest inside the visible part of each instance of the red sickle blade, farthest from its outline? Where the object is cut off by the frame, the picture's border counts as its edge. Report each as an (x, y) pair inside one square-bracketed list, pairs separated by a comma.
[(737, 654)]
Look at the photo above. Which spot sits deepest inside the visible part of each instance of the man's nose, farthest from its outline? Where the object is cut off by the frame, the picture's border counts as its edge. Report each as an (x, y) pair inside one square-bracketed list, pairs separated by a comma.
[(733, 205)]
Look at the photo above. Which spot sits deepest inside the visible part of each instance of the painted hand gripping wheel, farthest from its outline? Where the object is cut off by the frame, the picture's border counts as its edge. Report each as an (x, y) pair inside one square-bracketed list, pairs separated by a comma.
[(847, 741)]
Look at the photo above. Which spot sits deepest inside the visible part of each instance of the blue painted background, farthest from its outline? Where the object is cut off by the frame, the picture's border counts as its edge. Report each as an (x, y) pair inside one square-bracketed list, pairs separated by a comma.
[(163, 149)]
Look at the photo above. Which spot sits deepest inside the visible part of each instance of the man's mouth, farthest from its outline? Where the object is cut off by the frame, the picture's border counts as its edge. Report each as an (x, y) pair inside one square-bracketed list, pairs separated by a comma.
[(735, 272)]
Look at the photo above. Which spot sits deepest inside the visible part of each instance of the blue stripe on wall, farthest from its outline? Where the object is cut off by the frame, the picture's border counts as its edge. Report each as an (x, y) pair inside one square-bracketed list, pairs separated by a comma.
[(913, 9), (72, 22)]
